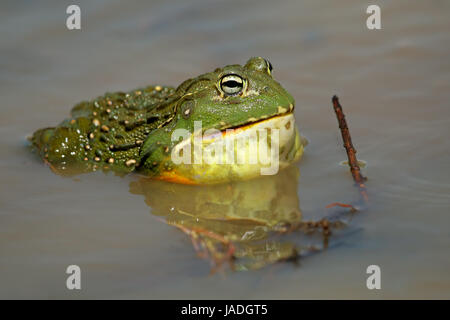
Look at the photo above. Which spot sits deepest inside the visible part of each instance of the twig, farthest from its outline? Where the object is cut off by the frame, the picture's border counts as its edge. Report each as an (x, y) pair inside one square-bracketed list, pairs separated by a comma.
[(208, 250), (351, 152)]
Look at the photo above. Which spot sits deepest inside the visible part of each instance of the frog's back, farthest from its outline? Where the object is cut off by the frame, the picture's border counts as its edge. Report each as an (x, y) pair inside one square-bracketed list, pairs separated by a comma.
[(104, 133)]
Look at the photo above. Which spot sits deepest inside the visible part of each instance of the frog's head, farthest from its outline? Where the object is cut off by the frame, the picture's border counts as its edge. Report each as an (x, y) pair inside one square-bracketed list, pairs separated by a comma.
[(232, 96), (233, 101)]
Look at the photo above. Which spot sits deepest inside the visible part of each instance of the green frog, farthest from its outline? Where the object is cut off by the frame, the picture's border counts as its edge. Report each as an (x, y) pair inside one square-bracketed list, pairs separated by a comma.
[(136, 131)]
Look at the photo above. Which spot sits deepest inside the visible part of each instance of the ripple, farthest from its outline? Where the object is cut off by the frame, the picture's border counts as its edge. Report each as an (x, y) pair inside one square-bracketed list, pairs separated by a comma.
[(418, 190)]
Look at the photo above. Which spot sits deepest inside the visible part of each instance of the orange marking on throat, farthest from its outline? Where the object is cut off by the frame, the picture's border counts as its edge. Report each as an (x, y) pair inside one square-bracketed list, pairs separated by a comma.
[(172, 176)]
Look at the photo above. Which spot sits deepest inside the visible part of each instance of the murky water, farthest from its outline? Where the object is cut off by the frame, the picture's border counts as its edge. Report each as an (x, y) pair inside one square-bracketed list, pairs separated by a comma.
[(394, 85)]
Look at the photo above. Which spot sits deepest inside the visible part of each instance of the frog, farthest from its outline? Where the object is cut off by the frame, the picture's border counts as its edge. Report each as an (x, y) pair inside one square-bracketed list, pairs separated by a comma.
[(133, 131)]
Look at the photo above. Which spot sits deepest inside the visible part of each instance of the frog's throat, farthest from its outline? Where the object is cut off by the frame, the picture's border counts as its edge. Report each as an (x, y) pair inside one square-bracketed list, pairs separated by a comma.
[(218, 170)]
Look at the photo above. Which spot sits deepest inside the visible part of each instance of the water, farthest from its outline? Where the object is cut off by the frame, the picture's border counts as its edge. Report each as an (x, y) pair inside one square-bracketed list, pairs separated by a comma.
[(394, 86)]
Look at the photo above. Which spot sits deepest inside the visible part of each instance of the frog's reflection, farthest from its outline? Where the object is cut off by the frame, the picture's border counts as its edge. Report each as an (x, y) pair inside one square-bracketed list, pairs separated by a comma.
[(231, 220)]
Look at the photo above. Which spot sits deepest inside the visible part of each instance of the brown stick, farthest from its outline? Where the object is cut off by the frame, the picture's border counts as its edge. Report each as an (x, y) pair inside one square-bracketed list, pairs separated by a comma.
[(351, 152)]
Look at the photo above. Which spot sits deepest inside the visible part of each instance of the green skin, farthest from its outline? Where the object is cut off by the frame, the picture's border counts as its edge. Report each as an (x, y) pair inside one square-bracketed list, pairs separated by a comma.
[(127, 132)]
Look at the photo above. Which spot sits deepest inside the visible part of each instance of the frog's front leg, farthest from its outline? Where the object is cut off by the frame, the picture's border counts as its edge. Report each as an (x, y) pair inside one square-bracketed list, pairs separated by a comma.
[(155, 156)]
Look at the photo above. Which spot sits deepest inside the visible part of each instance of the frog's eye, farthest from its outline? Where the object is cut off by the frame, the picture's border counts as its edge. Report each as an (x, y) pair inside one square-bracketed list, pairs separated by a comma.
[(231, 84), (269, 67), (259, 64)]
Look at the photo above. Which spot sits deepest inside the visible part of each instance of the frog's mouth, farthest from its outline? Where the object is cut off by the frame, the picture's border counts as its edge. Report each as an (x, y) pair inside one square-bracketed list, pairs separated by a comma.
[(251, 122), (278, 121)]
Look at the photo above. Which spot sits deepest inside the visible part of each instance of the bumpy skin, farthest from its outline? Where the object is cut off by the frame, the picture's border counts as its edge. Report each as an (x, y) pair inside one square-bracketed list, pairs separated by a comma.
[(132, 131)]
